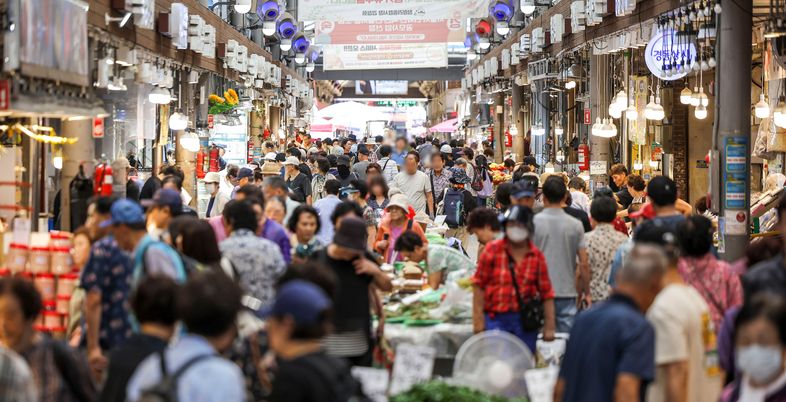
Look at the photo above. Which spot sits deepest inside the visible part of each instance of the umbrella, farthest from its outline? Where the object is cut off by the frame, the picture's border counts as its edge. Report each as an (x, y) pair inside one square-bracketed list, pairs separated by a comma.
[(447, 126)]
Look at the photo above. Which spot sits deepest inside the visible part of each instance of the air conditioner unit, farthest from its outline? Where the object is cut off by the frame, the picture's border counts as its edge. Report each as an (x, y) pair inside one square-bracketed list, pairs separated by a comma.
[(505, 59), (538, 40), (624, 7), (542, 69), (242, 59), (253, 64), (525, 45), (178, 26), (230, 54), (557, 28), (209, 42), (577, 16), (514, 55), (196, 33)]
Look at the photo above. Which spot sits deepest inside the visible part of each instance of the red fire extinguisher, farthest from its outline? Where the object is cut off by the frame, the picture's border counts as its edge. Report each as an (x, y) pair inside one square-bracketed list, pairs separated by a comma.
[(103, 180), (508, 139), (250, 152), (584, 158), (214, 159), (200, 163)]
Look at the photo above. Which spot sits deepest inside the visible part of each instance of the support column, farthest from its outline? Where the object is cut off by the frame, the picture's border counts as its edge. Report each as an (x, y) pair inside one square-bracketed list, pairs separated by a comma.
[(184, 158), (499, 126), (732, 133), (82, 152), (518, 120), (600, 149), (275, 123)]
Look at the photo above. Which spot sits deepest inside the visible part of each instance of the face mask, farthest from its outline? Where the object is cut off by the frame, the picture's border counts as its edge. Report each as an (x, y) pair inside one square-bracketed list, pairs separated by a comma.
[(759, 362), (517, 234), (210, 188)]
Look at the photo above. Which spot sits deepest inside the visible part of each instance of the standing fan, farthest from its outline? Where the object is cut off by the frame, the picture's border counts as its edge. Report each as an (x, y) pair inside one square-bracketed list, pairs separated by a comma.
[(494, 362)]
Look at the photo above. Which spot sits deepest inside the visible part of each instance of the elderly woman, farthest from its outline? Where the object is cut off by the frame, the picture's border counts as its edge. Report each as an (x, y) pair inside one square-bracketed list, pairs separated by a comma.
[(400, 218)]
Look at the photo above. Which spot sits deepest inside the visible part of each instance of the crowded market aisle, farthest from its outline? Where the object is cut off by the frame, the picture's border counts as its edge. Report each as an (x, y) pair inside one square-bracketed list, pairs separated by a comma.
[(243, 304)]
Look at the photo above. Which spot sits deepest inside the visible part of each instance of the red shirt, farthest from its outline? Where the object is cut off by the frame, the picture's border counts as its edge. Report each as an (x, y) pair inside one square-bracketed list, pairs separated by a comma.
[(620, 225), (493, 276)]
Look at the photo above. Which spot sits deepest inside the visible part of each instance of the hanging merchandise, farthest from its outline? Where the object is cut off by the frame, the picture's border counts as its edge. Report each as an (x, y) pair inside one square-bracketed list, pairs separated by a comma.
[(103, 181)]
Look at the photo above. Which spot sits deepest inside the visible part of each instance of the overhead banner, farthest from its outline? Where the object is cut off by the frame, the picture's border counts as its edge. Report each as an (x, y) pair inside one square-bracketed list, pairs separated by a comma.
[(385, 56), (389, 10), (402, 31)]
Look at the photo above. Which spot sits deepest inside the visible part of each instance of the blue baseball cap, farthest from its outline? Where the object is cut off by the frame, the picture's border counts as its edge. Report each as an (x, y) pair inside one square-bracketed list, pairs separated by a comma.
[(245, 173), (166, 197), (302, 300), (524, 188), (125, 212)]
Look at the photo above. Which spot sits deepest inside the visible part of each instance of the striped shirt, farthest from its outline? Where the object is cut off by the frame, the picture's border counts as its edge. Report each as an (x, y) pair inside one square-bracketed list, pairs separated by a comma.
[(16, 381)]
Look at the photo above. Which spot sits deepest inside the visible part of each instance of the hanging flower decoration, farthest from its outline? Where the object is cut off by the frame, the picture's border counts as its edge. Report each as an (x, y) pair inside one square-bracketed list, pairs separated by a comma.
[(219, 105)]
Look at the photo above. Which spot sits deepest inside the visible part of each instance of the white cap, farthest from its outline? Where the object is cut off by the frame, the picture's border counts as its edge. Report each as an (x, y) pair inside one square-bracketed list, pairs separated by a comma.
[(446, 149), (212, 177), (292, 161), (270, 156)]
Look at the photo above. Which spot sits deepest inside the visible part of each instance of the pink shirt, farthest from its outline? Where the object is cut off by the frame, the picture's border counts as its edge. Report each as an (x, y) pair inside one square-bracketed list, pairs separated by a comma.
[(217, 222), (715, 281)]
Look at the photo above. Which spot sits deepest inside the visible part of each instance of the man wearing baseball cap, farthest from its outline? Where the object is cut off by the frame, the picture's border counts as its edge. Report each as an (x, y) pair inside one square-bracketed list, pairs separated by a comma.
[(162, 208), (296, 323), (217, 199), (244, 176), (150, 256), (524, 193), (298, 183), (358, 277), (531, 162)]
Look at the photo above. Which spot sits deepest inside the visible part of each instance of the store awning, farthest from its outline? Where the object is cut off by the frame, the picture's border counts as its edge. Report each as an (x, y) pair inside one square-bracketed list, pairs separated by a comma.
[(447, 126)]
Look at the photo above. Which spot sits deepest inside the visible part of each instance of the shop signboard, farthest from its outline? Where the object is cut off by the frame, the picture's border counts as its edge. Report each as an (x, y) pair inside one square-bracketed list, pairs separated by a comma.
[(413, 365), (664, 49), (387, 10), (98, 127), (385, 56), (587, 116), (735, 178), (396, 31)]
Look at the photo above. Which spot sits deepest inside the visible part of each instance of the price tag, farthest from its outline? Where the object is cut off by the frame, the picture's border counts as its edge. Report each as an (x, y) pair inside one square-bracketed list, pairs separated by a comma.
[(22, 230), (414, 365), (597, 167), (374, 382)]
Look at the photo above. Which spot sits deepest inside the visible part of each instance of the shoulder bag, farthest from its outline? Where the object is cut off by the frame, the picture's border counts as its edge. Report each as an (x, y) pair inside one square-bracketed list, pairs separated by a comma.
[(531, 311)]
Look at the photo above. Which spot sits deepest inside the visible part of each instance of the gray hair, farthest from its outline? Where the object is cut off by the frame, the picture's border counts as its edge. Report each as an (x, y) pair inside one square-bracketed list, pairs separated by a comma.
[(644, 264)]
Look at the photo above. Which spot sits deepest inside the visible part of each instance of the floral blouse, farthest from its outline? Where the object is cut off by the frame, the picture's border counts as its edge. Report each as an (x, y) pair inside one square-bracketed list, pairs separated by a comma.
[(602, 243)]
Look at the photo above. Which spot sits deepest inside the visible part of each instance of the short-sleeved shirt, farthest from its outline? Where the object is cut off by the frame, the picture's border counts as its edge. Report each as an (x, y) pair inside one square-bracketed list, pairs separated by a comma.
[(447, 259), (299, 187), (359, 169), (602, 243), (325, 208), (440, 182), (257, 261), (610, 339), (683, 332), (414, 186), (109, 271), (559, 236), (581, 216), (493, 276), (389, 169), (624, 197)]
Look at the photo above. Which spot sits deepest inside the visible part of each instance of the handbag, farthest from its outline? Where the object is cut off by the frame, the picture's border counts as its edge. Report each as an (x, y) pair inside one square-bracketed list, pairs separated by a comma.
[(531, 312)]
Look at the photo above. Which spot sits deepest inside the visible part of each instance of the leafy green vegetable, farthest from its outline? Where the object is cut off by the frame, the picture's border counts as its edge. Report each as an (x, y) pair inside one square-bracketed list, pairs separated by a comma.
[(436, 391)]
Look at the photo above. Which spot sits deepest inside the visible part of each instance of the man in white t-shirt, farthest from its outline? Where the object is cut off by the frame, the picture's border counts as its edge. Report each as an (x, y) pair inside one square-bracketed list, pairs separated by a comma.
[(686, 358), (415, 184)]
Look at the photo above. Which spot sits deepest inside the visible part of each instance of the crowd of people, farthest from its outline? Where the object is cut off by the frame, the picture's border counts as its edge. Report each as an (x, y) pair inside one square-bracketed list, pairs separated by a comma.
[(271, 293)]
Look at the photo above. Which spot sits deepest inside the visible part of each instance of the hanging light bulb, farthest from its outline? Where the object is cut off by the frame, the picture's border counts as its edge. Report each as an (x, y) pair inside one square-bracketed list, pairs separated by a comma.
[(471, 55), (269, 28), (242, 6), (570, 84), (549, 168), (653, 164), (638, 165), (527, 6), (57, 158), (621, 99), (300, 58), (159, 96), (285, 45), (659, 113), (694, 99), (502, 27), (484, 43), (596, 127), (189, 141), (649, 110), (779, 115), (310, 66), (685, 95), (703, 99), (558, 130), (614, 110), (700, 112), (631, 113), (560, 156), (762, 108), (178, 121)]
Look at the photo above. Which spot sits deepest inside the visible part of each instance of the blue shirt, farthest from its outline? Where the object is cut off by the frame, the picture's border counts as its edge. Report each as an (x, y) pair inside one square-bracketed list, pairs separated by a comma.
[(325, 208), (214, 379), (398, 157), (153, 257), (611, 338), (109, 271)]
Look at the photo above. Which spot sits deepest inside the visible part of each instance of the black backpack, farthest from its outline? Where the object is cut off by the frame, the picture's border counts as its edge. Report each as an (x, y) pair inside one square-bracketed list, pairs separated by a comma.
[(454, 208), (344, 389), (166, 389)]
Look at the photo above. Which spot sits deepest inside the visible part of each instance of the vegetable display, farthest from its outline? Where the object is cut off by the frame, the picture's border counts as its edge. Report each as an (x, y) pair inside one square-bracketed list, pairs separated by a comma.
[(436, 391), (219, 105)]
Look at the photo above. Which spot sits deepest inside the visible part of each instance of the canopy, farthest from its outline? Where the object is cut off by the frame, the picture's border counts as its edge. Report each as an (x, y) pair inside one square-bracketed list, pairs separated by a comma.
[(447, 126)]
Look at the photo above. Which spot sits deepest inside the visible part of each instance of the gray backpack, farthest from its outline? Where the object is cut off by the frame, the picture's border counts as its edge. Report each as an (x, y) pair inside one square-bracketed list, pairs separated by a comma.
[(166, 389)]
